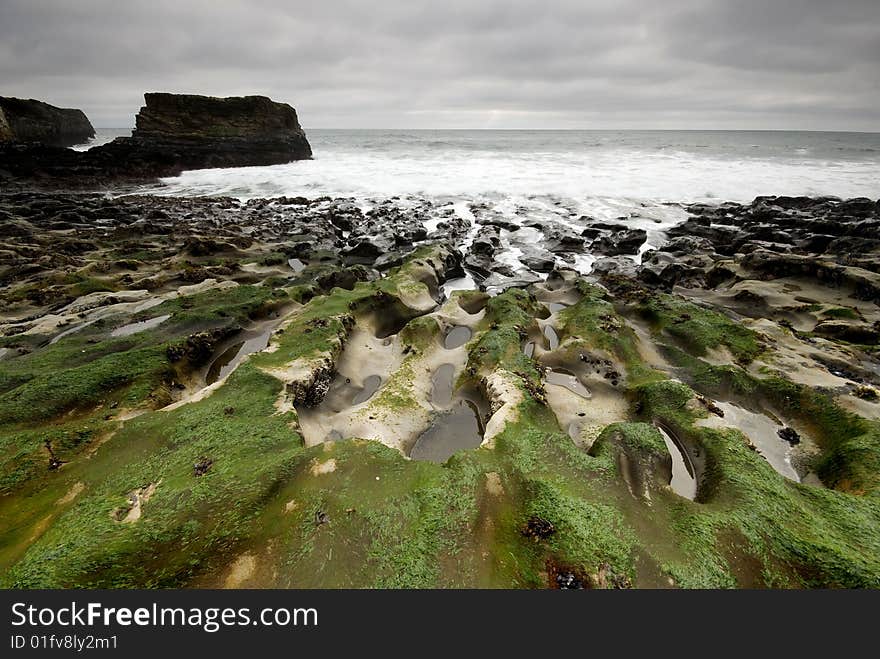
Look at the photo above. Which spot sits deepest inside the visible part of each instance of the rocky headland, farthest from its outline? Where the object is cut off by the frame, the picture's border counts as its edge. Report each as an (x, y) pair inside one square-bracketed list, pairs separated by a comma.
[(297, 392), (173, 132), (29, 120)]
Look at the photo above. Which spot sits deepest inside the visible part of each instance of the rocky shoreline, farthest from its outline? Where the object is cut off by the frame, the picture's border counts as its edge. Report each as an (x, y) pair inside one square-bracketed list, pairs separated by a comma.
[(29, 120), (210, 392), (173, 132)]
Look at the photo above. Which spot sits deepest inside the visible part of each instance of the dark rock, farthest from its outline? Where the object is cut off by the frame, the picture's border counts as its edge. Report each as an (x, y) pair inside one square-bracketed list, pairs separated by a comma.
[(563, 241), (538, 528), (28, 120), (487, 241), (201, 466), (391, 259), (538, 263), (684, 245), (568, 581), (342, 278), (175, 132), (790, 435), (850, 331), (622, 266), (366, 249), (199, 246), (621, 242)]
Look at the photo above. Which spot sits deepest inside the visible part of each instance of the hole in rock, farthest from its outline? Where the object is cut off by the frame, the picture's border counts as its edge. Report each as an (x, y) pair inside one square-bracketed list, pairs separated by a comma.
[(456, 430), (231, 357), (371, 385), (551, 336), (567, 379), (762, 431), (457, 337), (684, 482), (441, 391)]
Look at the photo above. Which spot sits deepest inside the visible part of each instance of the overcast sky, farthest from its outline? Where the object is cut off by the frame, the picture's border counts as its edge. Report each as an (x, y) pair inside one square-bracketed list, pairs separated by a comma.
[(800, 64)]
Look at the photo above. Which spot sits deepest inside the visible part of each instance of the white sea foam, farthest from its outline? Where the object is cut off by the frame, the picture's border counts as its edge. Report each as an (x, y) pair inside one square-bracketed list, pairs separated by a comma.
[(633, 168), (556, 177)]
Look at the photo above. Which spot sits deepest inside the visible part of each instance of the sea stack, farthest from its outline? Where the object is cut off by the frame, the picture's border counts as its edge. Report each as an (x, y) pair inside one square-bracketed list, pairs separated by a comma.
[(186, 131), (173, 133), (29, 120)]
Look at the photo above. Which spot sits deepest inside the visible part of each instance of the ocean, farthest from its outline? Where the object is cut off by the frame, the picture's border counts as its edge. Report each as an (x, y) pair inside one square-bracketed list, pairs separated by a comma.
[(641, 177)]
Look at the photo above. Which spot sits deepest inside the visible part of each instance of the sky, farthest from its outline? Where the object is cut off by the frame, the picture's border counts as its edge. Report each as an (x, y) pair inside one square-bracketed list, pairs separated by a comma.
[(591, 64)]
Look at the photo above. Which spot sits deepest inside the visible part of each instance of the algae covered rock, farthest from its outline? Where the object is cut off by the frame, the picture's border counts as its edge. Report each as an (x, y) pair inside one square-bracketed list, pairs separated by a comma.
[(640, 453)]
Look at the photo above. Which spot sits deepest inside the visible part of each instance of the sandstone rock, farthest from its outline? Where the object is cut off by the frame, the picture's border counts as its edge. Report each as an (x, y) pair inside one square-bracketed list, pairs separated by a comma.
[(847, 330)]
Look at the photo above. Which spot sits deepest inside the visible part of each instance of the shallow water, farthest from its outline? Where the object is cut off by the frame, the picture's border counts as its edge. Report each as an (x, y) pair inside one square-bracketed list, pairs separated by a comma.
[(441, 391), (230, 358), (761, 430), (684, 482), (567, 379), (465, 283), (457, 337), (450, 432), (140, 326), (296, 265), (370, 387), (551, 336)]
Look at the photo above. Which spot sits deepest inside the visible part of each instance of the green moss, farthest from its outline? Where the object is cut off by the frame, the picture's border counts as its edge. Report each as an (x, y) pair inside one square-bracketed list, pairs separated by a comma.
[(189, 519), (507, 316), (643, 438), (699, 329), (396, 395), (44, 397), (845, 313), (392, 522), (587, 535), (803, 534), (420, 333), (850, 458), (87, 285), (273, 258), (594, 322)]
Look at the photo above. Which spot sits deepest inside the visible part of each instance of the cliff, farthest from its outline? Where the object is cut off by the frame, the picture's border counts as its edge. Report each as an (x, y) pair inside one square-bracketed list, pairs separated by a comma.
[(185, 131), (29, 120), (175, 132)]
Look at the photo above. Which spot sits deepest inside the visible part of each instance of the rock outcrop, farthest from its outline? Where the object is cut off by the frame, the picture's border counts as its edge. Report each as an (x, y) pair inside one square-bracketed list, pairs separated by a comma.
[(183, 131), (29, 120), (175, 132)]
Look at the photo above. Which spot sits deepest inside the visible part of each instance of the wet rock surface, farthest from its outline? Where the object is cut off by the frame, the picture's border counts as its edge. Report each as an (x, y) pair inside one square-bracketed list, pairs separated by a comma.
[(431, 402)]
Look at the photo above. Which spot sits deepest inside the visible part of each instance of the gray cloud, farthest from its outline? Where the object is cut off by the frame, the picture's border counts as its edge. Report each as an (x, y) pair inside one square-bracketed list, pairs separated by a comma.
[(802, 64)]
